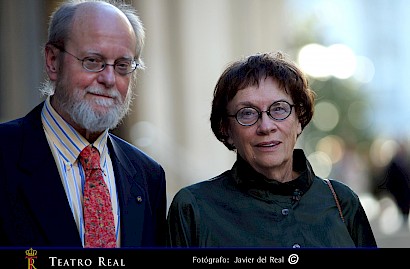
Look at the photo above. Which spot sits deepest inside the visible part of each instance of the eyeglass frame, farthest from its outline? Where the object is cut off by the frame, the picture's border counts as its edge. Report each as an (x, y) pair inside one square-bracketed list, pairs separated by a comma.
[(133, 61), (260, 113)]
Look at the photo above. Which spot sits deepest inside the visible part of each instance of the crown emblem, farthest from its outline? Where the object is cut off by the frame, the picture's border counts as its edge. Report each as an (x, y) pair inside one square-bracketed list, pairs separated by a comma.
[(31, 252)]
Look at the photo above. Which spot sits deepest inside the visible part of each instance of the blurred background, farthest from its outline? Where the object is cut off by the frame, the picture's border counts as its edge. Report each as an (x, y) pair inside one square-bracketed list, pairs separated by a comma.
[(354, 51)]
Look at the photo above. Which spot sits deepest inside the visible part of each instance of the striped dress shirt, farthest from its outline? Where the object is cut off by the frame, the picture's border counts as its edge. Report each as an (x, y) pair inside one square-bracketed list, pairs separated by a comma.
[(66, 144)]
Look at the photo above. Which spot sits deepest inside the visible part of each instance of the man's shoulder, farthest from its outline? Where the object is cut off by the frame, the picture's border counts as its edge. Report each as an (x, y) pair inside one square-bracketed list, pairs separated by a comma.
[(130, 151), (120, 143), (11, 130), (14, 126)]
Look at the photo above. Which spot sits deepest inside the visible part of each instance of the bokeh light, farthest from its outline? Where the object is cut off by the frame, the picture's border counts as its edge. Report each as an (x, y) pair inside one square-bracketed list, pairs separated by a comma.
[(337, 60), (321, 163), (326, 116), (333, 146), (382, 151)]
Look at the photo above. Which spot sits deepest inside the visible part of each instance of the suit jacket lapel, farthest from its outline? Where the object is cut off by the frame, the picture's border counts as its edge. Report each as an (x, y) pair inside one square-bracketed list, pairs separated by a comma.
[(43, 187), (131, 195)]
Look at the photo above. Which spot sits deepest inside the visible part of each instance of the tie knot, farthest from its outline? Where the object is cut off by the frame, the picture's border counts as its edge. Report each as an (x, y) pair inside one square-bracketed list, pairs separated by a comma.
[(90, 158)]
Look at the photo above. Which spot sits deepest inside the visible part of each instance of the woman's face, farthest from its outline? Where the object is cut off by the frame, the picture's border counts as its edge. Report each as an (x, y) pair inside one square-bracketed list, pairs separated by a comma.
[(268, 144)]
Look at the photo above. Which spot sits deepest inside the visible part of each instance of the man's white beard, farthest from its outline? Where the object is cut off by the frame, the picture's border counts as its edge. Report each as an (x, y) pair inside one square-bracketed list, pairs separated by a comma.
[(95, 121), (81, 110)]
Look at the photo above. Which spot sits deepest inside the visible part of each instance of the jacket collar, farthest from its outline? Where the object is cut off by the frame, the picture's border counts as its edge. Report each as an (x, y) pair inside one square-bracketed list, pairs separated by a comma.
[(259, 186)]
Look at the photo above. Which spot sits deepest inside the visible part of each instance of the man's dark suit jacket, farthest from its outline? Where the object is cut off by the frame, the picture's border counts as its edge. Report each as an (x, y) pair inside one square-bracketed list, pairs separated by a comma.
[(34, 210)]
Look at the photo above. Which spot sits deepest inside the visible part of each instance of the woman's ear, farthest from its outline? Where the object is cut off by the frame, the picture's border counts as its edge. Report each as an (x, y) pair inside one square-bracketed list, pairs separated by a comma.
[(51, 58), (229, 137), (300, 128)]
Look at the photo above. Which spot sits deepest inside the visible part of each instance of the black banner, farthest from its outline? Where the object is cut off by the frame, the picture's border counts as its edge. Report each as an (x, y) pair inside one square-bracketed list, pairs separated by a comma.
[(46, 258)]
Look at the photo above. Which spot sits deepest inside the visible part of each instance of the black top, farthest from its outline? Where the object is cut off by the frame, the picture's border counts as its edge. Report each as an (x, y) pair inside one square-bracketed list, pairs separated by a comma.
[(241, 208)]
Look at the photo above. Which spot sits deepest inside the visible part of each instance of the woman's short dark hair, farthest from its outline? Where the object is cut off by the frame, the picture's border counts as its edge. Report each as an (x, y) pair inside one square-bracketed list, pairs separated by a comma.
[(248, 72)]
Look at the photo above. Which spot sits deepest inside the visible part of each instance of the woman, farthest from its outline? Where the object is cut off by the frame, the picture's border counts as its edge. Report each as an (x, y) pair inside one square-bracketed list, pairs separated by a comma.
[(271, 197)]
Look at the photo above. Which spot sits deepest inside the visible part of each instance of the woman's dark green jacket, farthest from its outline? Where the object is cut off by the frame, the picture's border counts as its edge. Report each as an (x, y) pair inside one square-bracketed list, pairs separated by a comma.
[(240, 208)]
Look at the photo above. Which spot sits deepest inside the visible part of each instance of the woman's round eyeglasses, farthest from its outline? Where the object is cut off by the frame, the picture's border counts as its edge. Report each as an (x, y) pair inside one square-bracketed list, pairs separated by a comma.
[(248, 116)]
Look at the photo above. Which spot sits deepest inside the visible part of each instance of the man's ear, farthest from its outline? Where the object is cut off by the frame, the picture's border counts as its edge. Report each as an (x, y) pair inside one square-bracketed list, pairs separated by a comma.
[(51, 58)]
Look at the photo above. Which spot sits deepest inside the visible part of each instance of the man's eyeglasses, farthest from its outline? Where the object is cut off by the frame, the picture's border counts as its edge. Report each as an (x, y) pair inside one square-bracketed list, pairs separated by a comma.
[(98, 64), (248, 116)]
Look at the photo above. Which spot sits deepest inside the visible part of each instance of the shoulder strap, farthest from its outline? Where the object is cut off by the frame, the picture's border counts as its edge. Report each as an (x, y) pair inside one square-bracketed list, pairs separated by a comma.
[(336, 199)]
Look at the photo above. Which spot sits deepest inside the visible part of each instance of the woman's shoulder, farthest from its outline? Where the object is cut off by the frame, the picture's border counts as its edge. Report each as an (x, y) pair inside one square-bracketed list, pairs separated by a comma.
[(341, 186), (208, 184), (205, 188), (344, 193)]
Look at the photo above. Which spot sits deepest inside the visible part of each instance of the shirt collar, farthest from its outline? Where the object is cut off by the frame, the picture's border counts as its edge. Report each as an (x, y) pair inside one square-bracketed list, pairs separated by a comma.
[(67, 140)]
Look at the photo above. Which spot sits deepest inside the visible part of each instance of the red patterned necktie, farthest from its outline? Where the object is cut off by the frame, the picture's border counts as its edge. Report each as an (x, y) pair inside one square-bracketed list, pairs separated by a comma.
[(98, 216)]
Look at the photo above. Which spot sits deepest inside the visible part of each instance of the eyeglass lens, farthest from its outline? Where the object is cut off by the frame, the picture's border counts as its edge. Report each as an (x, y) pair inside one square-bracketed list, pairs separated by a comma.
[(96, 64), (278, 111)]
